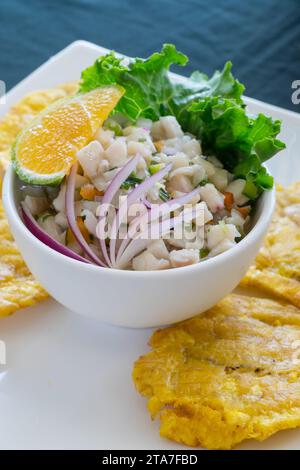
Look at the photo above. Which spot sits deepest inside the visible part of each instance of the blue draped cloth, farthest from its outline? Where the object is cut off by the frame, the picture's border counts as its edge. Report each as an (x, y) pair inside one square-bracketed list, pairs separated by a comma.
[(261, 37)]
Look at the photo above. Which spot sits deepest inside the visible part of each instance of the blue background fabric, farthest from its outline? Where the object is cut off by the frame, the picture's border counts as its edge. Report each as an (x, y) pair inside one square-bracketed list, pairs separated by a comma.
[(261, 37)]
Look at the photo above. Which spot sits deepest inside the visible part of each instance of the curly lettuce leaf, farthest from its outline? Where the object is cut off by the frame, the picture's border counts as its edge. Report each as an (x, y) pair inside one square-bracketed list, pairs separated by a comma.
[(148, 89), (241, 142), (199, 85), (210, 108), (150, 93)]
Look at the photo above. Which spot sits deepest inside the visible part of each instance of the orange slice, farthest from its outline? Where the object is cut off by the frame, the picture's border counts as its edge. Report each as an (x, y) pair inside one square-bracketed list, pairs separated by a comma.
[(45, 150)]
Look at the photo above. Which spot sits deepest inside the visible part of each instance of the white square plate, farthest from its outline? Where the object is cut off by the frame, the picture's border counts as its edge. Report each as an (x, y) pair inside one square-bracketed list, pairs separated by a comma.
[(67, 383)]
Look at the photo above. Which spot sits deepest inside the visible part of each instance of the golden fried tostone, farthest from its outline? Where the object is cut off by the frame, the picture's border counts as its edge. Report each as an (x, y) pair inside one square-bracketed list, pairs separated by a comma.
[(228, 375), (18, 288), (286, 197), (277, 266)]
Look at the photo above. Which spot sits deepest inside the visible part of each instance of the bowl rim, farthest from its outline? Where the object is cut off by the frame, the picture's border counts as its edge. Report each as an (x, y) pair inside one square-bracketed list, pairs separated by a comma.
[(268, 205)]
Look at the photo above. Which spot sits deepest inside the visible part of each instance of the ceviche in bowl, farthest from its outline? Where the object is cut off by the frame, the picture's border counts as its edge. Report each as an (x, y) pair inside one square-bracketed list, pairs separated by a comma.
[(148, 192), (181, 207)]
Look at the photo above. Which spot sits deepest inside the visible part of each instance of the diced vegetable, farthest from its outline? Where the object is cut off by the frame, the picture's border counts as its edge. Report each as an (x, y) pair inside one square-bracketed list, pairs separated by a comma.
[(164, 195), (89, 192), (228, 200), (203, 252), (131, 181), (155, 168)]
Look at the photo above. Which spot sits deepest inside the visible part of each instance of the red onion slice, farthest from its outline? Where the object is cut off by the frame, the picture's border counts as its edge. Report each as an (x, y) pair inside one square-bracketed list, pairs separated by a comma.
[(110, 192), (70, 213), (43, 236), (187, 215), (185, 198), (165, 209), (135, 195), (134, 248), (146, 203), (139, 243)]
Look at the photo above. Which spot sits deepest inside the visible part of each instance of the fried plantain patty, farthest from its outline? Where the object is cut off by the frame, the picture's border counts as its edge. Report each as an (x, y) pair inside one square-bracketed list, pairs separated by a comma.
[(18, 288), (227, 375), (277, 266)]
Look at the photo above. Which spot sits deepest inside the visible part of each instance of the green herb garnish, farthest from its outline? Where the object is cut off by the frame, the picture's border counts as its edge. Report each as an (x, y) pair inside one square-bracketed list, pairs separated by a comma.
[(131, 181), (50, 213), (203, 252), (250, 190), (164, 195), (113, 126), (154, 168)]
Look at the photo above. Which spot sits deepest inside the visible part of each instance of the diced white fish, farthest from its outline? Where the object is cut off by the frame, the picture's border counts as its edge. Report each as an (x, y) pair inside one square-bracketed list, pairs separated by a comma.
[(144, 123), (215, 161), (105, 137), (223, 246), (90, 221), (59, 203), (36, 205), (184, 257), (213, 198), (90, 157), (146, 261), (139, 135), (208, 167), (142, 169), (181, 183), (158, 249), (116, 153), (100, 183), (84, 204), (179, 160), (192, 148), (237, 187), (138, 148), (235, 218), (48, 224), (166, 128), (220, 232), (220, 179), (61, 220)]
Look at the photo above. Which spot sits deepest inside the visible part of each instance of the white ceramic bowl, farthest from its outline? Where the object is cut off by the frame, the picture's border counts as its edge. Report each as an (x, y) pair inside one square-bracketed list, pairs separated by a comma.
[(130, 298)]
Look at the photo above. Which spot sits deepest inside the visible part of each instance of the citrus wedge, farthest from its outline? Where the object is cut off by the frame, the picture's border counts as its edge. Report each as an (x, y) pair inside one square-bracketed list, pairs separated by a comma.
[(45, 150)]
